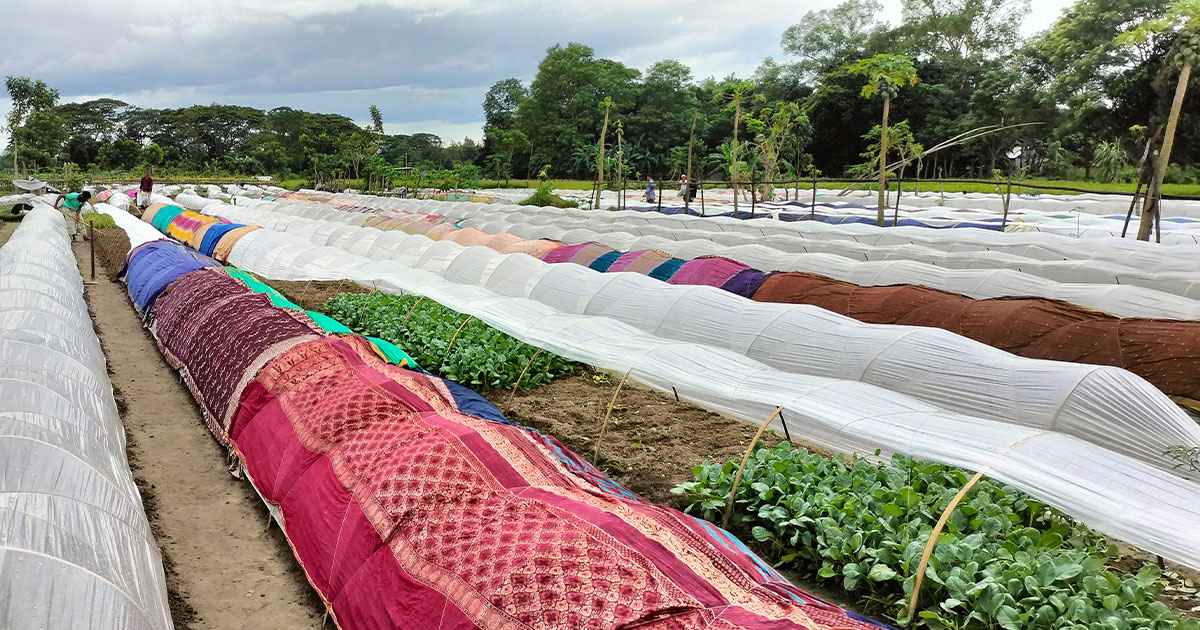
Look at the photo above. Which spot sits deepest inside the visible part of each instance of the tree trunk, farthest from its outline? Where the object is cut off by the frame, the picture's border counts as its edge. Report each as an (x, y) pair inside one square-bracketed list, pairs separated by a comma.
[(883, 140), (691, 143), (737, 121), (600, 162), (1150, 208)]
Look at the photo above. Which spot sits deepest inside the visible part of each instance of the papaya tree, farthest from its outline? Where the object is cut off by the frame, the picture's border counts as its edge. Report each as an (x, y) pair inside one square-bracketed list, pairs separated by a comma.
[(886, 74), (1182, 19), (736, 93)]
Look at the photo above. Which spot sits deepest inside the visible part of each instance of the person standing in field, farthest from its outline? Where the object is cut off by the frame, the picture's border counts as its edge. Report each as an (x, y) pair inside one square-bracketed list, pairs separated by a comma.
[(147, 187), (650, 190), (71, 204), (683, 185)]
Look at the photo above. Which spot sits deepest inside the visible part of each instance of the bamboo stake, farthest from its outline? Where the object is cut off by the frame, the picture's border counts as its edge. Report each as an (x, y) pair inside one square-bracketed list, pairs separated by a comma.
[(933, 536), (522, 375), (366, 302), (410, 311), (745, 458), (607, 415), (450, 346), (691, 142)]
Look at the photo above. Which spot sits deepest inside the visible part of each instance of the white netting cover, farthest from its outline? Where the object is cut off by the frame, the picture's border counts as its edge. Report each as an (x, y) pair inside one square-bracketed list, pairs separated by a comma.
[(76, 550), (1115, 493), (1124, 280), (1105, 405)]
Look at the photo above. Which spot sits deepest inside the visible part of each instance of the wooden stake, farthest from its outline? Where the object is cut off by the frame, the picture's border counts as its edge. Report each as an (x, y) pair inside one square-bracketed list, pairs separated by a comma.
[(518, 384), (362, 313), (745, 458), (450, 346), (607, 415), (691, 142), (410, 311), (933, 536)]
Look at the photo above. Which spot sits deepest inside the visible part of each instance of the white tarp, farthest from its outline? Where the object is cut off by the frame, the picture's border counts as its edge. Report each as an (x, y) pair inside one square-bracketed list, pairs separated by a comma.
[(76, 550)]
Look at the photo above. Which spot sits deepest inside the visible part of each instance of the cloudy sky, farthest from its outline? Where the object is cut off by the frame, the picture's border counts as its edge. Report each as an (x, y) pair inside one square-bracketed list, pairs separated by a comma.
[(425, 63)]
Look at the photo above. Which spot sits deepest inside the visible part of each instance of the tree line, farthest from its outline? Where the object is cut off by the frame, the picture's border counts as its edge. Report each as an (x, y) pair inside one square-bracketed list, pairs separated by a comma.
[(112, 135), (1080, 99), (1088, 98)]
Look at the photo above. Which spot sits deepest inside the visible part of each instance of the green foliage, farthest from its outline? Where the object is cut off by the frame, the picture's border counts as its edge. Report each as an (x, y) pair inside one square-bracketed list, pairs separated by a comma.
[(885, 73), (1109, 161), (1004, 559), (481, 356), (99, 221), (544, 196)]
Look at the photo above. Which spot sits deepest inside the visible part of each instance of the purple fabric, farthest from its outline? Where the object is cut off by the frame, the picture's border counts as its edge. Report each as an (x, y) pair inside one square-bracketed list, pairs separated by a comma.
[(564, 253), (745, 282), (713, 272)]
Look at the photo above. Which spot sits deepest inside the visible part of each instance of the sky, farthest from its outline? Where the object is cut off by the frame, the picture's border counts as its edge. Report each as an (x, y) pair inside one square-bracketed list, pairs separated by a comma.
[(425, 63)]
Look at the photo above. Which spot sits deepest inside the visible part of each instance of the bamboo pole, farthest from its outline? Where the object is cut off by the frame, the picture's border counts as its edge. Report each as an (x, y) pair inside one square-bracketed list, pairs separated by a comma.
[(522, 375), (745, 458), (600, 161), (450, 346), (1164, 157), (691, 142), (607, 415)]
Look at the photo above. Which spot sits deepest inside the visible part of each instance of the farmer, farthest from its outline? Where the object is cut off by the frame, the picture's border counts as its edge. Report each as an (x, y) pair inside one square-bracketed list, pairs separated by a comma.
[(650, 190), (683, 185), (73, 202), (147, 187)]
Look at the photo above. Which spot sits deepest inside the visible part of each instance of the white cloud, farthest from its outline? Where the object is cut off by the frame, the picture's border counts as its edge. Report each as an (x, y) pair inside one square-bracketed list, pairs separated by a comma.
[(423, 62)]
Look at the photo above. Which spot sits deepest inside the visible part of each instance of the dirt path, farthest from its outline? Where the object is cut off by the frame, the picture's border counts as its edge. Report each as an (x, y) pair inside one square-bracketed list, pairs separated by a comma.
[(6, 230), (224, 568)]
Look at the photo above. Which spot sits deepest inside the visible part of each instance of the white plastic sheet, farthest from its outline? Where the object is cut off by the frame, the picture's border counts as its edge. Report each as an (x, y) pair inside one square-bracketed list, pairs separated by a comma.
[(76, 550), (1117, 494), (1097, 284), (1108, 406)]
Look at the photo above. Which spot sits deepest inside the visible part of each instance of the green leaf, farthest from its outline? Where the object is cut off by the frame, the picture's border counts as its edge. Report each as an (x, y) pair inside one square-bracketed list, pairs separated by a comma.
[(881, 572), (1009, 618)]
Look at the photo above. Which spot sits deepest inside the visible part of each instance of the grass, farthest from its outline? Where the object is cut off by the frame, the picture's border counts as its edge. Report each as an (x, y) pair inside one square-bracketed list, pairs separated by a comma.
[(296, 184)]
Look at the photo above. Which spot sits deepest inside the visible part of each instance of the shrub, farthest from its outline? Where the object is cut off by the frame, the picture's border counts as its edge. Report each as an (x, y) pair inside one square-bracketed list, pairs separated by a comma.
[(1004, 559), (544, 196), (481, 356)]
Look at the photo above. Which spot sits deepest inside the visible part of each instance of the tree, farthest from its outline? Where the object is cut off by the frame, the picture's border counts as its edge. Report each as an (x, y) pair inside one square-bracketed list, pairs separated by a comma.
[(152, 155), (662, 114), (376, 120), (774, 128), (1183, 21), (826, 39), (40, 140), (886, 74), (356, 148), (736, 93), (965, 28), (28, 96), (562, 111), (600, 158), (121, 154)]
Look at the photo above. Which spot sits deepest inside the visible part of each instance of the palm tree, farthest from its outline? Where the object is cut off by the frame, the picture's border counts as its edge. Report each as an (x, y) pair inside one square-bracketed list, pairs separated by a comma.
[(886, 74), (1183, 16)]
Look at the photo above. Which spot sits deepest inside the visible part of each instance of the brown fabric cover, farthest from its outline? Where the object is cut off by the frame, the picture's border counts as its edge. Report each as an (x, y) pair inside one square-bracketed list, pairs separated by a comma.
[(1164, 352)]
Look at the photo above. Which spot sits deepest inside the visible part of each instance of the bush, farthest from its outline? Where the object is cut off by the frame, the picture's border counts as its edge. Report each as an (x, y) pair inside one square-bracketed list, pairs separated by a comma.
[(1177, 174), (295, 184), (481, 357), (1004, 559), (544, 196)]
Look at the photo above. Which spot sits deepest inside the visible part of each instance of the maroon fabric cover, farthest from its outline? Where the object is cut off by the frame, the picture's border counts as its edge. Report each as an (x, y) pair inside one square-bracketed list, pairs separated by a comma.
[(219, 333)]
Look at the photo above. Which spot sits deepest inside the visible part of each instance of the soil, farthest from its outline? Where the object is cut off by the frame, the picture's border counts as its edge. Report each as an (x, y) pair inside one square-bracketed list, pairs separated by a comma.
[(652, 441), (227, 565), (112, 245), (311, 295), (6, 230)]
